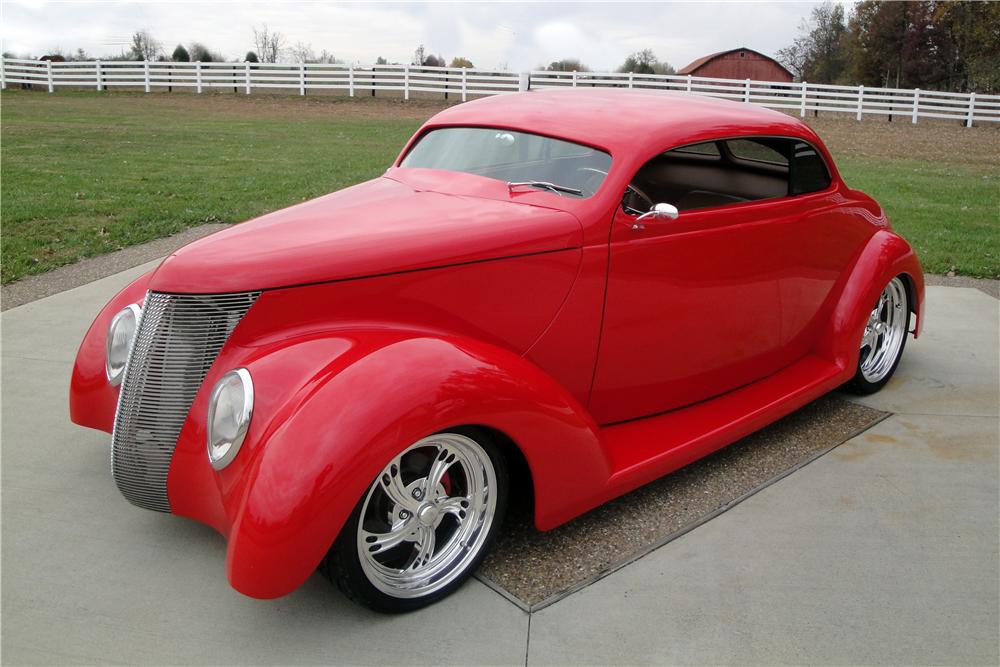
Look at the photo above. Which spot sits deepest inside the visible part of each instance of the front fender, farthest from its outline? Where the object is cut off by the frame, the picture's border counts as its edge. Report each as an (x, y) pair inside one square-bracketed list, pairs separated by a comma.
[(92, 401), (317, 453), (885, 256)]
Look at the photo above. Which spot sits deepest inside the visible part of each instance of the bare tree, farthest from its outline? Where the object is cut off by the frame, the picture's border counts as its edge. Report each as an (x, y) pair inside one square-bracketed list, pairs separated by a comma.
[(326, 57), (269, 44), (302, 53), (144, 47), (419, 55)]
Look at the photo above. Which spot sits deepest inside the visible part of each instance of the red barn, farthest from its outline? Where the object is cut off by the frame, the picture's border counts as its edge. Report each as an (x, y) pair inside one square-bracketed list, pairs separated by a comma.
[(741, 63)]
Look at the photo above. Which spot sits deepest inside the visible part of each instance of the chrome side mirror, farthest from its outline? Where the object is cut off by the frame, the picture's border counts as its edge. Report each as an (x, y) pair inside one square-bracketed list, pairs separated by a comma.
[(665, 211), (659, 212)]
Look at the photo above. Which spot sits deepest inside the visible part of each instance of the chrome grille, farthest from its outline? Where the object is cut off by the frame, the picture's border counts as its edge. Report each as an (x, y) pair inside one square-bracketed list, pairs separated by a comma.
[(178, 339)]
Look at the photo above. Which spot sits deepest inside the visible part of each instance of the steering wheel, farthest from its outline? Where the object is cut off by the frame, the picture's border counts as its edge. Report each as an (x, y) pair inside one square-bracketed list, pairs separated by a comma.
[(634, 189)]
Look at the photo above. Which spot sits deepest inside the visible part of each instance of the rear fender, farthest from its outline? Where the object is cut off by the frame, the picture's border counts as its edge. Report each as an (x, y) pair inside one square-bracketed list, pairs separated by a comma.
[(885, 256), (324, 447)]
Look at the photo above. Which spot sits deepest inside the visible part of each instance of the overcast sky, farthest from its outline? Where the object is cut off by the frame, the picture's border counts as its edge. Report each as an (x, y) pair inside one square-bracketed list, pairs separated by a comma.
[(518, 36)]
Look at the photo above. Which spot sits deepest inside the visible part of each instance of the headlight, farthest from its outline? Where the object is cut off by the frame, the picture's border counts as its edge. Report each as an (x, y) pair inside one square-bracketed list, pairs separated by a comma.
[(118, 343), (229, 410)]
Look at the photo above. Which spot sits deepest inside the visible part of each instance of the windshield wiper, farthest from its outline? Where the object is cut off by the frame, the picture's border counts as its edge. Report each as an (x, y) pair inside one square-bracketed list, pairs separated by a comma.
[(545, 185)]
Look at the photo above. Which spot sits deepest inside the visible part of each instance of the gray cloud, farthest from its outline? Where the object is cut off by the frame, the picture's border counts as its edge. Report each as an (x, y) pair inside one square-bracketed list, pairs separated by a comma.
[(515, 35)]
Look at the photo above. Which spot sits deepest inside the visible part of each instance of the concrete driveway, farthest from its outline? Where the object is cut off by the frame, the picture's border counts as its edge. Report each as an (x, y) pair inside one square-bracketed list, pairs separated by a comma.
[(883, 551)]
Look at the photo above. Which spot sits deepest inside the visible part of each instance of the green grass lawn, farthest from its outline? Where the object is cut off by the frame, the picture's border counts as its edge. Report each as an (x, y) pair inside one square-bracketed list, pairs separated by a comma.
[(87, 173), (949, 213), (84, 175)]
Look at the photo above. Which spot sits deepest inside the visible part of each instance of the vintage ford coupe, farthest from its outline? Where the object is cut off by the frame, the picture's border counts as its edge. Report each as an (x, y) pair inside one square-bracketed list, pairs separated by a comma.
[(562, 294)]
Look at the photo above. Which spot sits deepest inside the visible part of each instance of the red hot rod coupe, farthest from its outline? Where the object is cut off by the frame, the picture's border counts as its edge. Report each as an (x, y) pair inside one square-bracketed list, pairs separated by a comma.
[(595, 287)]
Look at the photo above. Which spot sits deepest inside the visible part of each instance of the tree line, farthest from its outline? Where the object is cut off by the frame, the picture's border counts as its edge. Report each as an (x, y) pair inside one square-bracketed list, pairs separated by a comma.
[(927, 44)]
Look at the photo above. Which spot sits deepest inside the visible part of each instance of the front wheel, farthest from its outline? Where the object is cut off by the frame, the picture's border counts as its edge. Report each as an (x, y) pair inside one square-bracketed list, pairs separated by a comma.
[(424, 525), (883, 339)]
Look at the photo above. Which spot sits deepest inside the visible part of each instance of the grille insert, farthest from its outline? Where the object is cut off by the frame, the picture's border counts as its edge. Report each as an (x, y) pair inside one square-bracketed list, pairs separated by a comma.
[(178, 339)]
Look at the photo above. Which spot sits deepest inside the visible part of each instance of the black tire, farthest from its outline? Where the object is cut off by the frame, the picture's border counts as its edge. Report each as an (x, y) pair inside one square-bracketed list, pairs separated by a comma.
[(864, 386), (343, 565)]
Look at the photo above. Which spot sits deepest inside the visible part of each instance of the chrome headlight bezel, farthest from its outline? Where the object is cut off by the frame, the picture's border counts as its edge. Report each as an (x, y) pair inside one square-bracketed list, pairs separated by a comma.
[(222, 447), (127, 316)]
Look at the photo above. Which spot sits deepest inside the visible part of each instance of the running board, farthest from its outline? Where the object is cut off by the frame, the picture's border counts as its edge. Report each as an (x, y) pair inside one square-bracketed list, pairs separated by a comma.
[(642, 450)]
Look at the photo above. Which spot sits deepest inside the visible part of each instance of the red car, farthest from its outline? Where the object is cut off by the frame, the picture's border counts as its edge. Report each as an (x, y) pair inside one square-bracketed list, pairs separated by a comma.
[(592, 287)]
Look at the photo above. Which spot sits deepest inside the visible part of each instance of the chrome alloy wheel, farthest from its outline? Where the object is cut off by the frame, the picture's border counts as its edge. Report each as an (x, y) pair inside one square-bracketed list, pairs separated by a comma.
[(427, 516), (884, 333)]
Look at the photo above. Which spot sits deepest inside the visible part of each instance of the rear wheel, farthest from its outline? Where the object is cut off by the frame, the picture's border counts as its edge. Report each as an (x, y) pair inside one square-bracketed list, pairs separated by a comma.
[(424, 524), (883, 339)]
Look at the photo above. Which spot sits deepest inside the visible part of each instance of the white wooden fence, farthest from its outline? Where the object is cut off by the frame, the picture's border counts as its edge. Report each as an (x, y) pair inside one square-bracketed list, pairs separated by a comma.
[(464, 83)]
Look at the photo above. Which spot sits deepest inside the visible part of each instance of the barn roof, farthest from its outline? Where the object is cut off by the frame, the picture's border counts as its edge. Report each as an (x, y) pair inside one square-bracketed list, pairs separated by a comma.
[(691, 67)]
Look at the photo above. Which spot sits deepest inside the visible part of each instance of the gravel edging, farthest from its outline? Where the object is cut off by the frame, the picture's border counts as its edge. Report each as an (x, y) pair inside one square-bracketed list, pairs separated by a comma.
[(32, 288)]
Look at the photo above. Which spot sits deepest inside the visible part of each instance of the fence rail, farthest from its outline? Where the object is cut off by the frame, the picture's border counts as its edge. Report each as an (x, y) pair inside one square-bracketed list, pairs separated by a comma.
[(464, 83)]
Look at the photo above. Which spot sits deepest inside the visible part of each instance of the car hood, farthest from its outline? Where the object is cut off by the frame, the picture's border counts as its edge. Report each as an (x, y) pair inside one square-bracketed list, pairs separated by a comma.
[(378, 227)]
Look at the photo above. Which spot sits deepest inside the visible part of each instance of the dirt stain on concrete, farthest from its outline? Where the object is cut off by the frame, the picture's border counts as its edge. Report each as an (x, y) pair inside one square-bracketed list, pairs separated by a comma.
[(851, 453), (953, 449)]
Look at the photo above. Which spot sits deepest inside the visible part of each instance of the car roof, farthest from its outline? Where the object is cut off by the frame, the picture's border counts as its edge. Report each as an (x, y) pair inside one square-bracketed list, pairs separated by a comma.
[(623, 120)]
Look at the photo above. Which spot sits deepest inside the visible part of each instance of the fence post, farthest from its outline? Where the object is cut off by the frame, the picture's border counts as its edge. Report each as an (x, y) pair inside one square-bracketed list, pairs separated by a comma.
[(302, 78), (630, 79), (350, 80), (523, 81), (574, 78), (48, 71), (197, 73), (861, 100), (802, 101), (972, 110), (464, 88), (406, 82), (916, 104), (97, 71), (689, 83), (145, 67), (746, 92), (3, 73)]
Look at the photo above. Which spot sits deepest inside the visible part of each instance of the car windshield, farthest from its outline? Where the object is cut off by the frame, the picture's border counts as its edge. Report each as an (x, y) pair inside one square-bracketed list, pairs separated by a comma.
[(523, 160)]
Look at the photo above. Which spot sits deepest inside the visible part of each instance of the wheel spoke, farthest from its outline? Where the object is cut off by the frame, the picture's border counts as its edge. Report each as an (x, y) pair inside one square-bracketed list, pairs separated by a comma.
[(425, 547), (442, 462), (393, 487), (400, 533), (457, 505)]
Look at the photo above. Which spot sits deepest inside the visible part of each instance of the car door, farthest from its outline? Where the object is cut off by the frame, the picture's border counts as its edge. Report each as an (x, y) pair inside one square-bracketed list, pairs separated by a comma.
[(692, 304)]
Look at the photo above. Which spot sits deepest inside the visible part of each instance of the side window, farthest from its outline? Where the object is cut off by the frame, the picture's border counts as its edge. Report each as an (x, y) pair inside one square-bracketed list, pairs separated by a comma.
[(767, 151), (809, 173), (709, 148), (720, 173)]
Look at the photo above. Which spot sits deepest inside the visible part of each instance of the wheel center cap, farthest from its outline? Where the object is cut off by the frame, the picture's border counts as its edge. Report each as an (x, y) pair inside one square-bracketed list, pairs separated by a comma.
[(427, 514)]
